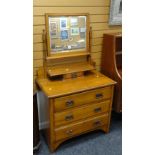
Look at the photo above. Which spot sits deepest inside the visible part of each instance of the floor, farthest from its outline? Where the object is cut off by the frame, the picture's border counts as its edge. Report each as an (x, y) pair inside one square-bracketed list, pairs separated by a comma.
[(94, 143)]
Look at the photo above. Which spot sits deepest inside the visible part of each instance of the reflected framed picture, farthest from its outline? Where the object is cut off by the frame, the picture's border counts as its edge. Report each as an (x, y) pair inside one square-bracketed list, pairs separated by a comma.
[(53, 29), (53, 26), (64, 34), (74, 21), (53, 34), (75, 31), (63, 23), (83, 29), (115, 17)]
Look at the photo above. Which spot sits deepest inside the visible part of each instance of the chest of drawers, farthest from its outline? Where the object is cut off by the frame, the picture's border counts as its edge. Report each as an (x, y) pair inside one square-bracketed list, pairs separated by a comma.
[(77, 106), (79, 98)]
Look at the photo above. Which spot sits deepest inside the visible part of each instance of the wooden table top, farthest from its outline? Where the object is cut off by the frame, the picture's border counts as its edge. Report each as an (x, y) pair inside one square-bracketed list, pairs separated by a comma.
[(59, 88)]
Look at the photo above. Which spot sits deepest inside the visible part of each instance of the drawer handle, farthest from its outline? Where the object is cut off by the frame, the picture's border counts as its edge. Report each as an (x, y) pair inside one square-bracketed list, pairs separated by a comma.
[(69, 117), (98, 109), (69, 103), (99, 95), (97, 123), (74, 75), (69, 132)]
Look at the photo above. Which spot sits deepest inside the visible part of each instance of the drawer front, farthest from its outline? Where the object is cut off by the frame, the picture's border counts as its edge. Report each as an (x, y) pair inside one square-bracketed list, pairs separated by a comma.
[(70, 101), (68, 116), (80, 127)]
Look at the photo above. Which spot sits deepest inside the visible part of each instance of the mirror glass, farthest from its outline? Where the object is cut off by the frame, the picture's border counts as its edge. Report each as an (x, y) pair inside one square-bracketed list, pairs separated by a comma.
[(67, 33)]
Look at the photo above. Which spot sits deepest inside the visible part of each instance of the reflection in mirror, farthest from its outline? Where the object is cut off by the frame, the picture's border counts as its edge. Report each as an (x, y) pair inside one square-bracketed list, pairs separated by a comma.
[(67, 33)]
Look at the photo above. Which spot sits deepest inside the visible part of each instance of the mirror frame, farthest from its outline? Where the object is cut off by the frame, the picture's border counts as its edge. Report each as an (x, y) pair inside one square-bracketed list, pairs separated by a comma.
[(67, 53)]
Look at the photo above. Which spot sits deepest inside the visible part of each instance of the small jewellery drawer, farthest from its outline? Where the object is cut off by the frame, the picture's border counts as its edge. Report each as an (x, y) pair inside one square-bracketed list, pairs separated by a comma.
[(80, 127), (68, 116), (69, 101)]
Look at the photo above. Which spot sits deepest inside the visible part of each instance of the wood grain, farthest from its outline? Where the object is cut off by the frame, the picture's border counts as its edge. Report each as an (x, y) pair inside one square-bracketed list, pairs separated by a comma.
[(111, 65), (92, 95), (71, 115), (69, 68), (80, 127), (77, 99), (66, 87)]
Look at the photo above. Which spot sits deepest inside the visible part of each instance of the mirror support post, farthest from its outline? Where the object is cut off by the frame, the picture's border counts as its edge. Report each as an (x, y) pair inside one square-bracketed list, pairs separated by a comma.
[(90, 38), (44, 51)]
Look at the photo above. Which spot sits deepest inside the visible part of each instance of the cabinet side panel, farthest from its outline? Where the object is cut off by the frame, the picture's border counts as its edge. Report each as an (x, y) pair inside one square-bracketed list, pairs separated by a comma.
[(42, 110), (107, 60)]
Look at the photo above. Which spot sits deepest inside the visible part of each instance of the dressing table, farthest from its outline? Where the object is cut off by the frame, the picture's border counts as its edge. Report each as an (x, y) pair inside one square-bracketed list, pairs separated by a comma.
[(79, 98)]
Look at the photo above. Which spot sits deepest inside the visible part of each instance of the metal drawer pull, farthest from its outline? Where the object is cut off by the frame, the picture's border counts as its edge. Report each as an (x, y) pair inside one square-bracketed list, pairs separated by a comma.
[(97, 123), (69, 117), (98, 109), (69, 103), (98, 96), (69, 132), (74, 75)]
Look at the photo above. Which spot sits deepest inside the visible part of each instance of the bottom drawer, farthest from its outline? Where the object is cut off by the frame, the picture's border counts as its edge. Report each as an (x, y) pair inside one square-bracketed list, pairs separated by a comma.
[(80, 127)]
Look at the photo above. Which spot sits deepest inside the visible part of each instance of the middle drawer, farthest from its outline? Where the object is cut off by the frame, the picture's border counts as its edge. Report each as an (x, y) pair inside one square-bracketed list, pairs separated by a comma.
[(68, 116)]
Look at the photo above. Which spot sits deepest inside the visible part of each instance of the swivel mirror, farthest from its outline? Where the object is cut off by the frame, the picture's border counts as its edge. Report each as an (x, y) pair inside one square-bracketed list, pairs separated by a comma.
[(67, 45), (67, 34)]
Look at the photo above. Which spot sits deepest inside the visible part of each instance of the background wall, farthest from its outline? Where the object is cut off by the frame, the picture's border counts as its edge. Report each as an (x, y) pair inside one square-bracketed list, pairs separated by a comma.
[(99, 14)]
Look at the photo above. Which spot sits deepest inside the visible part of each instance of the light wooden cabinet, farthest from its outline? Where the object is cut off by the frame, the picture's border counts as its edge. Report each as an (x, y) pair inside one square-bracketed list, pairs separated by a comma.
[(79, 98), (112, 65), (77, 106)]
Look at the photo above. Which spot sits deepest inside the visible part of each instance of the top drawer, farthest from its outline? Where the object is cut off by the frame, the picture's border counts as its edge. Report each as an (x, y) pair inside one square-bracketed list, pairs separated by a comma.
[(74, 100)]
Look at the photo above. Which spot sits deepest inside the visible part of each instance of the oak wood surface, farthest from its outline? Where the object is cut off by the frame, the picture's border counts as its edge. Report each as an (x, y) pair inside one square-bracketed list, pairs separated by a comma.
[(69, 68), (91, 92), (94, 111), (67, 55), (69, 86), (80, 127), (72, 101), (83, 112), (104, 128)]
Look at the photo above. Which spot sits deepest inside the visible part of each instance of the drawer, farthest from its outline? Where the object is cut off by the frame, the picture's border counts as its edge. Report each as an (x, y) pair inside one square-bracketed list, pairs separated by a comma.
[(68, 116), (81, 127), (74, 100)]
